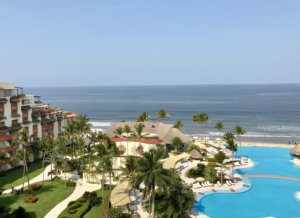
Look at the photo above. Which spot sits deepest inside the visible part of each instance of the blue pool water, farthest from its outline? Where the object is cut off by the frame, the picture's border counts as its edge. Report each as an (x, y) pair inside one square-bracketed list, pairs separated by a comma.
[(267, 197)]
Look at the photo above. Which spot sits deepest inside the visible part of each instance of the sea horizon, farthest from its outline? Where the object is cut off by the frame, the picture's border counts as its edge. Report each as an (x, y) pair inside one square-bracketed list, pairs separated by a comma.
[(257, 108)]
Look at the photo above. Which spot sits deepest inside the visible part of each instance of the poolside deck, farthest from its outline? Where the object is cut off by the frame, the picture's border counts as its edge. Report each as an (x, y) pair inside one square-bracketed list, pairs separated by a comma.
[(270, 177)]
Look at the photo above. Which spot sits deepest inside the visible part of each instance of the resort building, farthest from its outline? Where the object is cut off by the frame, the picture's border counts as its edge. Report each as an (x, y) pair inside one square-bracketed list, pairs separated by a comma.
[(21, 111)]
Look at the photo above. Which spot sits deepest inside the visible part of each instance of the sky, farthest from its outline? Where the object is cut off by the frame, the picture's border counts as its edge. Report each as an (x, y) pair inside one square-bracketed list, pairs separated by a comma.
[(149, 42)]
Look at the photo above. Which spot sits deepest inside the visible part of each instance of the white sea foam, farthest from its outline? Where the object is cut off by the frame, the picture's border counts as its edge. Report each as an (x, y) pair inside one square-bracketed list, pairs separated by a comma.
[(279, 128), (96, 124), (251, 135)]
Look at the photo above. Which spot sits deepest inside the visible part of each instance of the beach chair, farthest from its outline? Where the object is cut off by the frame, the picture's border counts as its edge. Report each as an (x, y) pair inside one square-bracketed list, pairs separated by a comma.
[(218, 183), (227, 182)]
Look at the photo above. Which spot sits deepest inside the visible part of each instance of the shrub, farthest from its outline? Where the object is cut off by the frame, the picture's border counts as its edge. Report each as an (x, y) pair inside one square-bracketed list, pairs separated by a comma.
[(196, 172), (30, 199), (71, 183), (35, 187), (114, 213), (70, 203)]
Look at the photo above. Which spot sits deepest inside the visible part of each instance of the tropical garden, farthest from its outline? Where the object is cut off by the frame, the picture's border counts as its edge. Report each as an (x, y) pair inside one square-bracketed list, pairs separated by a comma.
[(79, 150)]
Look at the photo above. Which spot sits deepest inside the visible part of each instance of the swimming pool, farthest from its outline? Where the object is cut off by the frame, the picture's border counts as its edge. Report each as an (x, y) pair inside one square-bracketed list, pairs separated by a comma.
[(267, 197)]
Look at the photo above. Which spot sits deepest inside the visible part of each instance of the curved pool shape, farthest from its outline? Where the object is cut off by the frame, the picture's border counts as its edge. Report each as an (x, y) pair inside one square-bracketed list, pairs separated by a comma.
[(267, 197)]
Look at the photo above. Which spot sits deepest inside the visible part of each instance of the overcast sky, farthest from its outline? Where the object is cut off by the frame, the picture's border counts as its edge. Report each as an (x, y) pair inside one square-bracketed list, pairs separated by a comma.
[(149, 42)]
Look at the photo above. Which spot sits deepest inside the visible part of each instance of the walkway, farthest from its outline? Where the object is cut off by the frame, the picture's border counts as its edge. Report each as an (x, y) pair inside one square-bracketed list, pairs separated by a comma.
[(78, 192), (270, 177), (36, 179)]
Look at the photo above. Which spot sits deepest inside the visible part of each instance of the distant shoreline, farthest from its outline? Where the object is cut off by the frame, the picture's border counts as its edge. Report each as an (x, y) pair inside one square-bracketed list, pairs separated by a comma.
[(266, 144)]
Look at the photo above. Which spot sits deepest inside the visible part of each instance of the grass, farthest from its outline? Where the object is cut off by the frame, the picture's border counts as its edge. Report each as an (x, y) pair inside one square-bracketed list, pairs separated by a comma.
[(14, 177), (95, 211), (52, 194)]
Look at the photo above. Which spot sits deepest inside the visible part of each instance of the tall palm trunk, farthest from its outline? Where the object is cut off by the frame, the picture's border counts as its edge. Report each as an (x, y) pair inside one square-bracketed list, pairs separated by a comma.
[(23, 174), (43, 166), (27, 173), (153, 201), (222, 173)]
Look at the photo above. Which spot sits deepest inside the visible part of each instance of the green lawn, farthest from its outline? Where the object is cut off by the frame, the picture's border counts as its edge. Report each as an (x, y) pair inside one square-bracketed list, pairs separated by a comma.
[(95, 211), (14, 177), (53, 193)]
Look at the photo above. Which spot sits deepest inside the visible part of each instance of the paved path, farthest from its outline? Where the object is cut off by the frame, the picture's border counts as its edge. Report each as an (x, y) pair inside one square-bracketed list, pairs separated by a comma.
[(78, 192), (36, 179), (271, 177)]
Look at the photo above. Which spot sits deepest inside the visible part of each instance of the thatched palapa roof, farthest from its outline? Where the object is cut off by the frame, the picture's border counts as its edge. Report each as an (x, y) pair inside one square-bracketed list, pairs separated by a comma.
[(296, 150), (164, 132), (195, 154)]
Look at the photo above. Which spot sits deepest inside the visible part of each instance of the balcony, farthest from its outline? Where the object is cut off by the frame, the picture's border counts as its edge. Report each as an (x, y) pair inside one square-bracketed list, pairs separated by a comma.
[(26, 122), (25, 108), (4, 129), (25, 115), (14, 107), (1, 109), (3, 100), (15, 127), (16, 98), (15, 115), (5, 161), (35, 130), (5, 138), (2, 117), (10, 148)]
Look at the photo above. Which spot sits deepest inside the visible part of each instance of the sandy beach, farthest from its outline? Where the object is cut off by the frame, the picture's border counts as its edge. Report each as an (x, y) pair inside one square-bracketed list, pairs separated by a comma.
[(267, 144)]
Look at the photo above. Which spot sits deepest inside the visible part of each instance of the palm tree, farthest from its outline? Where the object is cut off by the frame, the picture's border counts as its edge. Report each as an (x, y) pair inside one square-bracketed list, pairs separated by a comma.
[(152, 174), (23, 154), (129, 170), (119, 131), (82, 125), (107, 167), (200, 119), (178, 124), (177, 143), (24, 140), (239, 131), (219, 126), (162, 114), (179, 202), (220, 158), (44, 148), (231, 145), (127, 130), (63, 149), (144, 116)]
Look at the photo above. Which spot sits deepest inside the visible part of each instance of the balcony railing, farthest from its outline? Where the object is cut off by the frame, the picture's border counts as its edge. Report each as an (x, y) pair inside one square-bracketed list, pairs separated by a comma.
[(5, 161), (3, 129), (10, 148), (15, 115), (2, 117), (5, 138), (14, 107)]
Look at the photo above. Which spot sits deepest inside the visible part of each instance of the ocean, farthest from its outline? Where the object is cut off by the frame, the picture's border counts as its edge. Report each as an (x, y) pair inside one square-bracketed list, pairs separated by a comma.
[(269, 113)]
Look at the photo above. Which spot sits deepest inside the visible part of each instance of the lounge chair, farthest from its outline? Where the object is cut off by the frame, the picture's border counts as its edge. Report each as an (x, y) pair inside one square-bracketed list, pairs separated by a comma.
[(227, 182), (218, 183), (208, 183)]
